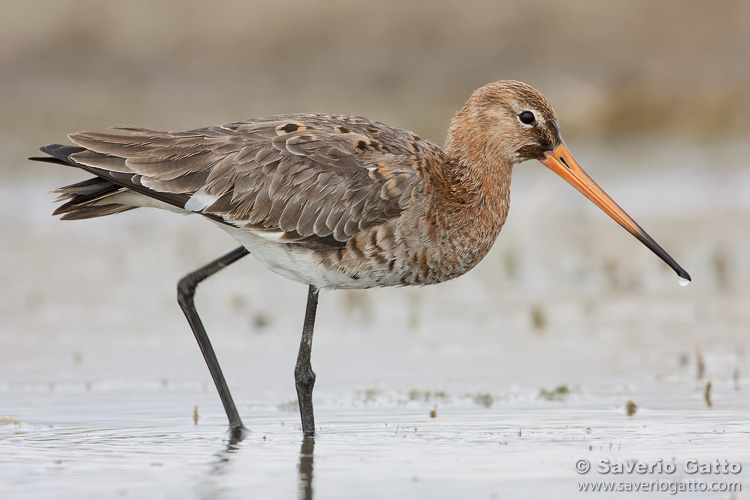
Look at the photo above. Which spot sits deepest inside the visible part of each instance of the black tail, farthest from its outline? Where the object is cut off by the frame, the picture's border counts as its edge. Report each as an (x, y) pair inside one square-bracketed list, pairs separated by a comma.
[(60, 154), (86, 199)]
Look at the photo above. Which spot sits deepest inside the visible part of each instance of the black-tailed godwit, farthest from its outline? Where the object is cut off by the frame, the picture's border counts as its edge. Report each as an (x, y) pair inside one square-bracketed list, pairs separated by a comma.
[(333, 201)]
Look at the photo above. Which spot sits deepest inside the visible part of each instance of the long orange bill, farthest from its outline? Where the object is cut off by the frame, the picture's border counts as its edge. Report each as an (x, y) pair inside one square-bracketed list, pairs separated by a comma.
[(562, 163)]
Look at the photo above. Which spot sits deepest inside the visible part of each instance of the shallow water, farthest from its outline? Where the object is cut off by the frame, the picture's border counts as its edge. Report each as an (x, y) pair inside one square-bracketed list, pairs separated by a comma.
[(528, 362), (134, 444)]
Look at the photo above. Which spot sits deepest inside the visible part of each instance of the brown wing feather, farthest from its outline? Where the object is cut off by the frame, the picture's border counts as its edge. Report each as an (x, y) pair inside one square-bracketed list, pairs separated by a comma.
[(311, 176)]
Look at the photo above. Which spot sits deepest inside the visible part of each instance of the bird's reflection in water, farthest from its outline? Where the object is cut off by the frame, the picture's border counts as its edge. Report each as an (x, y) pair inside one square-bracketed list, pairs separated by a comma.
[(235, 438), (305, 468), (211, 488), (306, 457)]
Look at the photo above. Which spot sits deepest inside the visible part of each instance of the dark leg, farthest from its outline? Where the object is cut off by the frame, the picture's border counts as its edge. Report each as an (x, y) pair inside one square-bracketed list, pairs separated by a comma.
[(304, 377), (185, 297)]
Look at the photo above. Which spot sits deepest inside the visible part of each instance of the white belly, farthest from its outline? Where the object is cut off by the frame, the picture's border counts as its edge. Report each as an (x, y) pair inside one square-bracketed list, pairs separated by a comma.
[(293, 261), (289, 260)]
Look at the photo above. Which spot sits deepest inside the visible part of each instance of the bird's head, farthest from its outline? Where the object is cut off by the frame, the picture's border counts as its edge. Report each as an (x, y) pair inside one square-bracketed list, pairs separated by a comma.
[(507, 122)]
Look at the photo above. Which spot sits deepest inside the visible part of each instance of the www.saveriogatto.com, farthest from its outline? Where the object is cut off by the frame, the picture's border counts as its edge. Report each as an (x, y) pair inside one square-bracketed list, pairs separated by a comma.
[(691, 475)]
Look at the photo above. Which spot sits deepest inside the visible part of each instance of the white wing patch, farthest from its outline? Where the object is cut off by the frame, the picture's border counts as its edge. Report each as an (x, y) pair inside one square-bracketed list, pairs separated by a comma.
[(200, 201), (275, 236)]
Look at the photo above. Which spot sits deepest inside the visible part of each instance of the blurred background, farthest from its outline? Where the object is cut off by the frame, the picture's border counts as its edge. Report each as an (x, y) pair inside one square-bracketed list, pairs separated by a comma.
[(674, 68), (652, 98)]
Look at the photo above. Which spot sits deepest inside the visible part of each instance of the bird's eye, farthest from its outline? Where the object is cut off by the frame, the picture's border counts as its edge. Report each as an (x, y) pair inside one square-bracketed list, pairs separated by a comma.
[(526, 117)]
